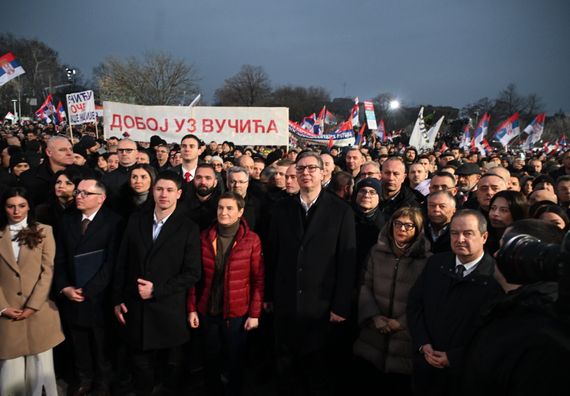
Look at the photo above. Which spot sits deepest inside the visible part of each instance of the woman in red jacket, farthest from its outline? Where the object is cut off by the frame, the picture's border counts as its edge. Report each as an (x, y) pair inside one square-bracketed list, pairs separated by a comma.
[(229, 299)]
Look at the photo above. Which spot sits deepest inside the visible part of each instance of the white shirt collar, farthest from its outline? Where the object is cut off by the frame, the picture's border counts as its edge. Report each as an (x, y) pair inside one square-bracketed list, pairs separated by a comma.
[(91, 217), (470, 266)]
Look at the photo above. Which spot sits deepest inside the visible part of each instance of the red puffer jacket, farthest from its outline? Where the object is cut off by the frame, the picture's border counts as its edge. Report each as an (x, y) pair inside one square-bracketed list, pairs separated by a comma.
[(244, 275)]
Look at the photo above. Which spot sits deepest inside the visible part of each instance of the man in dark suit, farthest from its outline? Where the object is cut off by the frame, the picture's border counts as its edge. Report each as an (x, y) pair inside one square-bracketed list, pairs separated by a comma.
[(159, 260), (92, 231), (440, 210), (312, 256), (445, 303)]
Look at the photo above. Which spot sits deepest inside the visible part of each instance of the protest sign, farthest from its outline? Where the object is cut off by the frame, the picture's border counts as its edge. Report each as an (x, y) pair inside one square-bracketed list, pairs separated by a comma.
[(240, 125)]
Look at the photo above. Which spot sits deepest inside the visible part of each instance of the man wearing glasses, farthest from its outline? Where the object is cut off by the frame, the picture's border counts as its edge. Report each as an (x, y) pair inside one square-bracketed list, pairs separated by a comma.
[(238, 182), (85, 257), (311, 270), (115, 180)]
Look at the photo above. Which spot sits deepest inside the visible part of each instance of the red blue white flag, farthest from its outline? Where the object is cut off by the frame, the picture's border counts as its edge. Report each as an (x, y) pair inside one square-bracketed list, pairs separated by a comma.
[(481, 131), (508, 130), (534, 130), (9, 68)]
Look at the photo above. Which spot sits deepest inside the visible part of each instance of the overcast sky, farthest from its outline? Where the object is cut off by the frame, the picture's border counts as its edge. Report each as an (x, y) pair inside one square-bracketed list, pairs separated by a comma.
[(441, 52)]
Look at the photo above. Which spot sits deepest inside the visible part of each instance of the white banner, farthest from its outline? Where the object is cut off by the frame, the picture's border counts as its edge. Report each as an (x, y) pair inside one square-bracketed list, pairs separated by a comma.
[(81, 107), (240, 125)]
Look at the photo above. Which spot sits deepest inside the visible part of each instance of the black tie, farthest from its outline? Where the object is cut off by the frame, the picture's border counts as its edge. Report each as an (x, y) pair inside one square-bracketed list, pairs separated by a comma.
[(84, 224), (459, 270)]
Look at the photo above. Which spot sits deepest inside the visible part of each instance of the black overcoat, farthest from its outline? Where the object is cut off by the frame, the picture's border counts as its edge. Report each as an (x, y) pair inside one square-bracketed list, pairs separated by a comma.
[(172, 263), (313, 262)]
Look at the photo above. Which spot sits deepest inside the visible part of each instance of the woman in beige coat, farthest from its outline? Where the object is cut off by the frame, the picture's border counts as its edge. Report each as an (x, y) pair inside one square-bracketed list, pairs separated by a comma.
[(29, 320)]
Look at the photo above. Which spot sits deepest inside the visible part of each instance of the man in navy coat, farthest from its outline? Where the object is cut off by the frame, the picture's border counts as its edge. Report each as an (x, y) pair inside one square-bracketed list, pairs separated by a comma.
[(445, 303)]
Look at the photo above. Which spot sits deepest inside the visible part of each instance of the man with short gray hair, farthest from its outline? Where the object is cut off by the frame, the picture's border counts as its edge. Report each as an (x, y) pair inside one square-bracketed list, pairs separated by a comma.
[(238, 181)]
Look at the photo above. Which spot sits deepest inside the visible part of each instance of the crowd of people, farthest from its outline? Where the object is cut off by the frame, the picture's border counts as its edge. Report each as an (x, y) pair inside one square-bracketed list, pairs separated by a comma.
[(126, 267)]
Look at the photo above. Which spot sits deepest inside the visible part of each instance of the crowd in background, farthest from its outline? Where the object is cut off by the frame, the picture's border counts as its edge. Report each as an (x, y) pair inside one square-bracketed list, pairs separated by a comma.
[(326, 269)]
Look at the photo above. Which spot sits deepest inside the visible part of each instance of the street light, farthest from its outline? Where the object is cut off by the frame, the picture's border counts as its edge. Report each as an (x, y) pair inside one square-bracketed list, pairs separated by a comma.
[(394, 104)]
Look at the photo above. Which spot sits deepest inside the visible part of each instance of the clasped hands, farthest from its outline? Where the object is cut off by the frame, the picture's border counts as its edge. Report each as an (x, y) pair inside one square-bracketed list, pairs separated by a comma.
[(18, 314), (437, 359), (386, 325)]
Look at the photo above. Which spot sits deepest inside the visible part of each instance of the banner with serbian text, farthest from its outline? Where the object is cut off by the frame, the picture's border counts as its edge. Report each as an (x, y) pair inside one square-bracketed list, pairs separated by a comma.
[(341, 139), (240, 125), (81, 107)]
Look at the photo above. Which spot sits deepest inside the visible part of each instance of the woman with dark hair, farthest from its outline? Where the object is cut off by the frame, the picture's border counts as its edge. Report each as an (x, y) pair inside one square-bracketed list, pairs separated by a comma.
[(505, 208), (101, 164), (526, 184), (61, 200), (136, 194), (393, 266), (553, 214), (29, 320), (228, 301)]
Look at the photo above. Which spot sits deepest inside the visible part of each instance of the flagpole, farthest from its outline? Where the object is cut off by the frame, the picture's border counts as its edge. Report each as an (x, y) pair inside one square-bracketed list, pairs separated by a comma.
[(96, 129), (71, 134)]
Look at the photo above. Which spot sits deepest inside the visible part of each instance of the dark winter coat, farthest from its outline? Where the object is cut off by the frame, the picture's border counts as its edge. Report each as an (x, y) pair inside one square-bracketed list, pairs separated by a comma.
[(313, 262), (172, 264), (387, 282)]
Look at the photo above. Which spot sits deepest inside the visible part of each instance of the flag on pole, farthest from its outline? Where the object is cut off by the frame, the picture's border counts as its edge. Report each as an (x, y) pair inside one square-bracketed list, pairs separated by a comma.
[(443, 148), (9, 68), (354, 113), (419, 133), (370, 115), (534, 130), (381, 131), (46, 110), (432, 133), (486, 146), (480, 132), (359, 137), (466, 141), (508, 130), (61, 112)]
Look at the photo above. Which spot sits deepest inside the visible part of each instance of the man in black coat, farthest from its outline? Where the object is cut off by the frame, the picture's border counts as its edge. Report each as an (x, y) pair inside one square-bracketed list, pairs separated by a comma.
[(127, 151), (312, 254), (440, 210), (445, 304), (395, 194), (158, 262), (93, 230), (200, 200)]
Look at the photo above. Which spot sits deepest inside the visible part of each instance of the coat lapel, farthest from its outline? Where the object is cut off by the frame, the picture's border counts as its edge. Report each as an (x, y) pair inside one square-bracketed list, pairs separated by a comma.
[(6, 251), (94, 226), (318, 220), (168, 231)]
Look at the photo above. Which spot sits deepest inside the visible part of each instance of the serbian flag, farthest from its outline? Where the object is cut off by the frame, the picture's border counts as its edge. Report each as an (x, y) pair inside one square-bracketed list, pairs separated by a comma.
[(534, 130), (508, 130), (381, 131), (359, 137), (486, 146), (60, 113), (45, 109), (354, 114), (562, 141), (466, 141), (9, 68), (443, 148), (481, 131)]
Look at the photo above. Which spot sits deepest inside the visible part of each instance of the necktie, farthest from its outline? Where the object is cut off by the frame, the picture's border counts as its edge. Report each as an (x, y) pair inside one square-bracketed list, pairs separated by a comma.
[(459, 270), (84, 225), (188, 177)]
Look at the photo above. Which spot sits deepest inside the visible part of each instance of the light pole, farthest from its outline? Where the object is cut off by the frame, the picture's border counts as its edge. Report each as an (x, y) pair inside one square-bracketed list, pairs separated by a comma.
[(16, 116)]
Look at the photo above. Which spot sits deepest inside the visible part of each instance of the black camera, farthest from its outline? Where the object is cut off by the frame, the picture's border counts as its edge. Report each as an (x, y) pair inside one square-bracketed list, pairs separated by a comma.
[(525, 259)]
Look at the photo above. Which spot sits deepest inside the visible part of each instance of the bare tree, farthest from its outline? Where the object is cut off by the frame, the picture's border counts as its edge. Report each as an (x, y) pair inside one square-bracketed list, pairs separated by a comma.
[(301, 101), (157, 79), (44, 72), (249, 87)]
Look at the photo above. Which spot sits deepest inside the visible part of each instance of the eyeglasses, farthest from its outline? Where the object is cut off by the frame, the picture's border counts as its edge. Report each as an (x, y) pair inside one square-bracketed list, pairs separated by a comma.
[(125, 150), (407, 226), (84, 194), (368, 174), (310, 168), (372, 193), (234, 182)]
